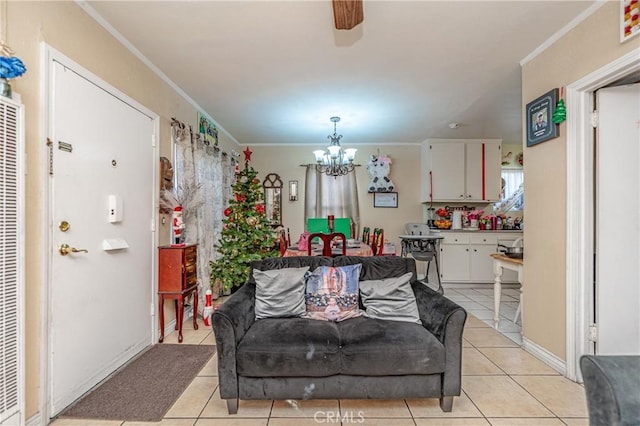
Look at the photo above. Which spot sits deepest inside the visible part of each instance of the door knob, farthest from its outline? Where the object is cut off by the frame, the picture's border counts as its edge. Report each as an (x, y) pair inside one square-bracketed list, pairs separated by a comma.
[(65, 249)]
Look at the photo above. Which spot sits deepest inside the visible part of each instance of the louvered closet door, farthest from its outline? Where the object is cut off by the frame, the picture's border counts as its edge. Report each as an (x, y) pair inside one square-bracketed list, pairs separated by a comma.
[(11, 263)]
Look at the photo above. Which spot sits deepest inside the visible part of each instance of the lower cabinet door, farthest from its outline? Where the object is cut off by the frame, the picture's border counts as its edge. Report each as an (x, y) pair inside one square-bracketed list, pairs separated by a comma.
[(482, 263), (454, 262)]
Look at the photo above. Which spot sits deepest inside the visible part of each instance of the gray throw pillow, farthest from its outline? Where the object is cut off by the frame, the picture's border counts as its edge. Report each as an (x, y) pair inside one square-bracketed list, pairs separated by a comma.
[(390, 299), (280, 292)]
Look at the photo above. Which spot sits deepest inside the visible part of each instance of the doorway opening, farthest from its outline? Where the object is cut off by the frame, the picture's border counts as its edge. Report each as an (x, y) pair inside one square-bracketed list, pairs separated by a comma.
[(581, 204)]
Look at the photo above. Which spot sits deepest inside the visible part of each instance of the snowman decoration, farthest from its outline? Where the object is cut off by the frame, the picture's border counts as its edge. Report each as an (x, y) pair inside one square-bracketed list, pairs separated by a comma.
[(379, 167)]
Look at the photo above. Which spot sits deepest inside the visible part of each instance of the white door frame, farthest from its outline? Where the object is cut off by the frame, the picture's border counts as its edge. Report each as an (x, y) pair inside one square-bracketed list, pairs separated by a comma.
[(49, 55), (580, 204)]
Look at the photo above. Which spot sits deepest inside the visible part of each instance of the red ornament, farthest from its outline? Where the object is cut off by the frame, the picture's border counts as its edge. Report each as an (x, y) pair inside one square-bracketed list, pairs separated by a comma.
[(255, 180), (237, 168), (260, 208), (227, 211), (247, 155), (241, 197)]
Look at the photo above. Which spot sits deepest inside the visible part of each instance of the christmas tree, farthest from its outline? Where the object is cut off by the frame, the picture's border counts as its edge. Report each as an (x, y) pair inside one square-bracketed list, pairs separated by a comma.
[(246, 233)]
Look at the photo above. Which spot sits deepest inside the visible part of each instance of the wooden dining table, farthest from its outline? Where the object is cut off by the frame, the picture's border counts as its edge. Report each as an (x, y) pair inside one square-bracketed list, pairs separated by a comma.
[(359, 249)]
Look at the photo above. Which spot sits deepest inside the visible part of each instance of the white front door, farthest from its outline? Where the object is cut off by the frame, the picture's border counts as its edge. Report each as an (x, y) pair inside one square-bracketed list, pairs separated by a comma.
[(617, 311), (101, 194)]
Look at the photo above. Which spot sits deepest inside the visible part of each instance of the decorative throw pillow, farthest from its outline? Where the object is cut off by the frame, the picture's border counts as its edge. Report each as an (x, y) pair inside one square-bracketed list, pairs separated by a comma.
[(280, 292), (332, 293), (390, 299)]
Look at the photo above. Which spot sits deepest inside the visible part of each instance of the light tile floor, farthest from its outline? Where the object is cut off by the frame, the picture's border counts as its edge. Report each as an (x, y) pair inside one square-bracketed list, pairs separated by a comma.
[(501, 385)]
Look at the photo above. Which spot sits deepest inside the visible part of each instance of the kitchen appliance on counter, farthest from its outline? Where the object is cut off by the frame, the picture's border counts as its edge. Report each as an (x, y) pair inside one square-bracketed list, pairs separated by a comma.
[(456, 219), (431, 218)]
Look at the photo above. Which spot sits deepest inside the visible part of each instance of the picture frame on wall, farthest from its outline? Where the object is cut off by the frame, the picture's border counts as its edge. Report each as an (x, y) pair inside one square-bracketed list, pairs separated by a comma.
[(385, 199), (539, 112), (629, 19)]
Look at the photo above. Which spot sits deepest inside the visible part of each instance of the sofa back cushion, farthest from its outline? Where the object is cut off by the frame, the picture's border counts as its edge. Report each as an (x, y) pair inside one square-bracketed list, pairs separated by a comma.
[(379, 267), (287, 262)]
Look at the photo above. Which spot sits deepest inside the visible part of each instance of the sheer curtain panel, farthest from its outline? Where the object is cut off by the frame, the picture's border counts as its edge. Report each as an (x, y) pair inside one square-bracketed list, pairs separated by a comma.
[(325, 195)]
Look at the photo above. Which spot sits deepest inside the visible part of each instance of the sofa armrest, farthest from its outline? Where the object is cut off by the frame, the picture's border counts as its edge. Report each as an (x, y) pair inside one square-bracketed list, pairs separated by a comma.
[(444, 319), (230, 323)]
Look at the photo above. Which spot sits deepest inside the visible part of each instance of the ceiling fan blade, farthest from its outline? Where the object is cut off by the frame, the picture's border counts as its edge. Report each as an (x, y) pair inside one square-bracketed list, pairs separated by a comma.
[(347, 13)]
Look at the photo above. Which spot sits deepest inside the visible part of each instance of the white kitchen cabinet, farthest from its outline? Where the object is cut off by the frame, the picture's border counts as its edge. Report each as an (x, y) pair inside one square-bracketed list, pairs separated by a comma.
[(465, 256), (461, 170), (454, 258)]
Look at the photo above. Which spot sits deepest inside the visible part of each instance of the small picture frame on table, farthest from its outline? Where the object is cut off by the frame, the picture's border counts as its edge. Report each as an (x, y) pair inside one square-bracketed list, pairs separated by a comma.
[(540, 127), (385, 199)]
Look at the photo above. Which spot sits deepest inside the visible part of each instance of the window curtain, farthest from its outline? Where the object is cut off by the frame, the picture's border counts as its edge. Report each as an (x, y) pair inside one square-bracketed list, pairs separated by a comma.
[(325, 195), (204, 175)]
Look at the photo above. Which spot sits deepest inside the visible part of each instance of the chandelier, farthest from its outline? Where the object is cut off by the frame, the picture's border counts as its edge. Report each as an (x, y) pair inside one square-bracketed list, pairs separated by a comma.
[(335, 161)]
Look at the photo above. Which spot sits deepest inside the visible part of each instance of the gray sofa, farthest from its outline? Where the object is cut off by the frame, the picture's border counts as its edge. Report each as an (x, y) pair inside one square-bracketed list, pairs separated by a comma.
[(359, 358), (612, 386)]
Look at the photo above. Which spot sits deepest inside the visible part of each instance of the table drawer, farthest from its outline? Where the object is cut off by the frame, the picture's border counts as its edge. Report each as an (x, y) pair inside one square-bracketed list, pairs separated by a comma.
[(190, 255)]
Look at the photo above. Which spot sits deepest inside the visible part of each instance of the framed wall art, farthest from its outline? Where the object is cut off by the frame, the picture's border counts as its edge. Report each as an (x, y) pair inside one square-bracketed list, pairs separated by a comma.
[(629, 19), (540, 127), (385, 199)]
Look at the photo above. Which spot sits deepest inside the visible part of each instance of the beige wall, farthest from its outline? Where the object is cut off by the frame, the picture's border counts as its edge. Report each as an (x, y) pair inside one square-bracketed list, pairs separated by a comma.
[(405, 170), (65, 27), (591, 45)]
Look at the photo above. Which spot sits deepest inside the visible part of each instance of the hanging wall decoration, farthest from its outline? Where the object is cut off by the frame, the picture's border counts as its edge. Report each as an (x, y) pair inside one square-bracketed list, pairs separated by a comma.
[(539, 112), (560, 114), (207, 129), (379, 167), (629, 19)]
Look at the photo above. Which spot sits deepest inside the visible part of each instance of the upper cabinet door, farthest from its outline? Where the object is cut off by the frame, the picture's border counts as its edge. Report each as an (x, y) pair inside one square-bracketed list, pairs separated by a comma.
[(447, 178), (483, 171), (492, 171)]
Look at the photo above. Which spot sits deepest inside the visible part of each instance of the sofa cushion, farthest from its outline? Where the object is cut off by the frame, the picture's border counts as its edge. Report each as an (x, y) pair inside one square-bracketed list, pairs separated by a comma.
[(280, 292), (332, 293), (289, 347), (390, 299), (373, 347)]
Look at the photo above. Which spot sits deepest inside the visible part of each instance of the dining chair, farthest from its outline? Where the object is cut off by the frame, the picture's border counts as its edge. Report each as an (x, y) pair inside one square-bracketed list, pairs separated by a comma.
[(282, 241), (377, 242), (326, 243), (365, 234)]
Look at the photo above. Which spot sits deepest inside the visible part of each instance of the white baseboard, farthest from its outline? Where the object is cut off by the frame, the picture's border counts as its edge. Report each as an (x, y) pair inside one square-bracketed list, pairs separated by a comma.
[(545, 356), (34, 420), (479, 285)]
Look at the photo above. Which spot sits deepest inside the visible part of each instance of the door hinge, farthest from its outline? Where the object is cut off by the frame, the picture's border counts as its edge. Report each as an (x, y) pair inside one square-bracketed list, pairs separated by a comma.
[(50, 146), (153, 140), (594, 119), (153, 224), (152, 310), (593, 333)]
